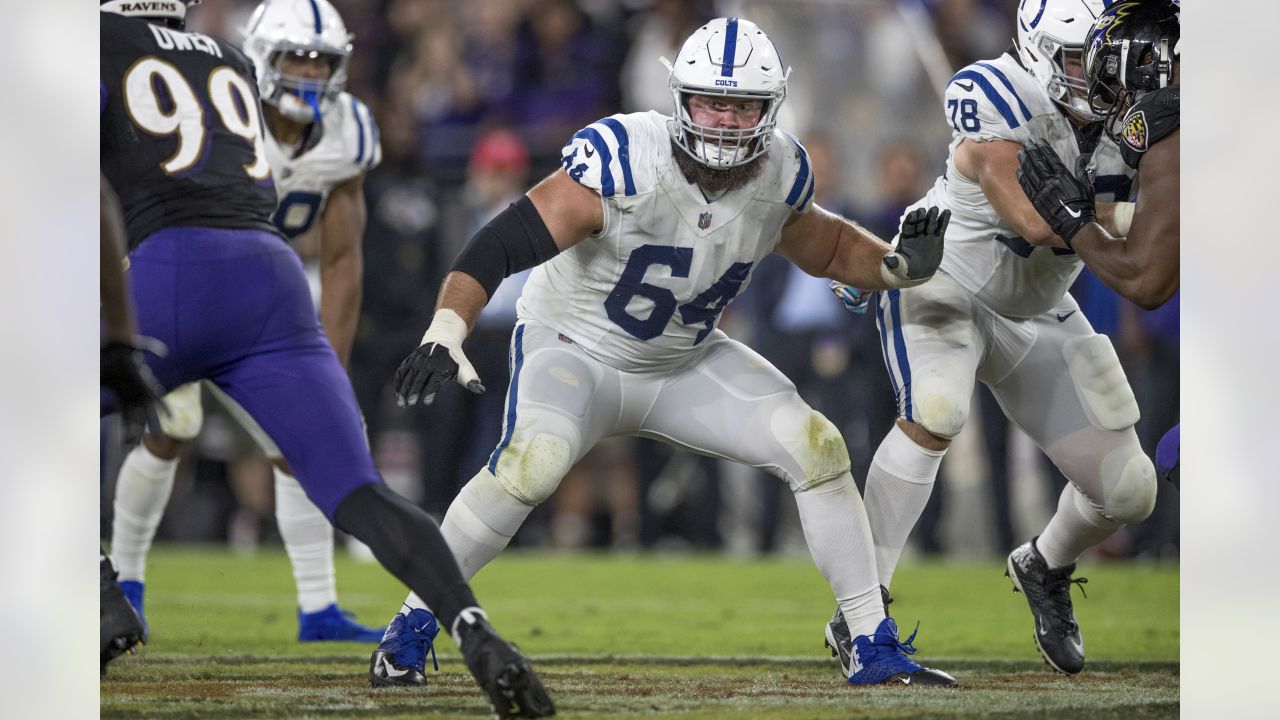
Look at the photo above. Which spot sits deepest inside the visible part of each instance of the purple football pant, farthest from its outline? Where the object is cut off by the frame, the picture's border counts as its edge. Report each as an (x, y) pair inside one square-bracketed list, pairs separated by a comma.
[(1168, 454), (233, 307)]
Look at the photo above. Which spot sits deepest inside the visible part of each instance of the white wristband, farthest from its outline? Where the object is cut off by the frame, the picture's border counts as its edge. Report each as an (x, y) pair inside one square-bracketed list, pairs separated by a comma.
[(897, 279), (1124, 217), (447, 328)]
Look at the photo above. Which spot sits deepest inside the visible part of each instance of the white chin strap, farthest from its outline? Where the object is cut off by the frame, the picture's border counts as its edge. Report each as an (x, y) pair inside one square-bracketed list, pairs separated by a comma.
[(295, 108), (720, 156)]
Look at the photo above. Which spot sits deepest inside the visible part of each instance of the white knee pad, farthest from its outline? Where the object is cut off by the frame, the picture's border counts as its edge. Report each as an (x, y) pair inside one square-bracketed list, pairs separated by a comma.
[(185, 415), (537, 457), (939, 406), (1129, 480), (1100, 382), (813, 442)]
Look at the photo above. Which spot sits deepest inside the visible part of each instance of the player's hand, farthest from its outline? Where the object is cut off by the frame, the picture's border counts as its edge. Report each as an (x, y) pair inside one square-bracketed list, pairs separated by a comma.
[(1063, 200), (855, 300), (124, 372), (437, 360), (919, 251)]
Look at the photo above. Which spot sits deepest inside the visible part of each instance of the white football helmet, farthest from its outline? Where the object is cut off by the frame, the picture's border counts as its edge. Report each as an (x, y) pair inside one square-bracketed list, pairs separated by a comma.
[(1050, 31), (729, 57), (310, 28)]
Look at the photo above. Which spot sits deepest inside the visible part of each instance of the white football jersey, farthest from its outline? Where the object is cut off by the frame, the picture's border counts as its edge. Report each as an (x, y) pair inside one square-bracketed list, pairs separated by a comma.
[(347, 146), (647, 290), (999, 100)]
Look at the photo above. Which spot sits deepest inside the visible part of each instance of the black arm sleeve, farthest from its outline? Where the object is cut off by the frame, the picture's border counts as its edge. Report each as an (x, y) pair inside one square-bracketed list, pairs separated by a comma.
[(515, 240)]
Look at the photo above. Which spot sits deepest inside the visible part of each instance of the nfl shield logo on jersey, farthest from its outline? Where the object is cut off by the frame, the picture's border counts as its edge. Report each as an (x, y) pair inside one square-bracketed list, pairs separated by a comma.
[(704, 221)]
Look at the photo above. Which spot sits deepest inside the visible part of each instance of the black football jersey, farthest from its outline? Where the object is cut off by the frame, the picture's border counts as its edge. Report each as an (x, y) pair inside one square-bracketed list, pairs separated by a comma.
[(1148, 122), (181, 130)]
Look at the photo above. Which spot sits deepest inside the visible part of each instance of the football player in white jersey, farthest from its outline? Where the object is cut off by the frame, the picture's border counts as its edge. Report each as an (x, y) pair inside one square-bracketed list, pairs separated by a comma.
[(999, 312), (651, 227), (320, 142)]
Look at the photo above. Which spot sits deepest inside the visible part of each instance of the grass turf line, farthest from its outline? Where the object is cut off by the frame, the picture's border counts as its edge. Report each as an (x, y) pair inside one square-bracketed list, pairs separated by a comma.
[(686, 637)]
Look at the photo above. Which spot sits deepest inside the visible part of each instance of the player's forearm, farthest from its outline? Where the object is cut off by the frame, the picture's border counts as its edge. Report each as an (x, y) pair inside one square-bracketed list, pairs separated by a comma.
[(1119, 264), (117, 309), (464, 295), (340, 297), (858, 259)]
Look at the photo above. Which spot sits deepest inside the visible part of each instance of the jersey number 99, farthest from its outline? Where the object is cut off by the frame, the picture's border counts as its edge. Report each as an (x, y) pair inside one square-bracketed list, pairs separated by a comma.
[(182, 114)]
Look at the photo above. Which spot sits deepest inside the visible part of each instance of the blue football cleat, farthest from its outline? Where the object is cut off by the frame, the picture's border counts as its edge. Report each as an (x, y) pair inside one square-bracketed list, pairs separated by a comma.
[(334, 624), (133, 591), (401, 657), (881, 658)]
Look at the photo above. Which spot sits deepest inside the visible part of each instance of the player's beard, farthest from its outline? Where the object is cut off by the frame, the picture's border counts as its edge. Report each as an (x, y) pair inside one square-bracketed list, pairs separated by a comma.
[(713, 180)]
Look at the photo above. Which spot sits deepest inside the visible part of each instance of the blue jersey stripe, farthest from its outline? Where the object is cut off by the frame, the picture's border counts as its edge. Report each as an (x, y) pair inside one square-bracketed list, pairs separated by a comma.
[(884, 350), (512, 392), (900, 345), (1004, 80), (315, 15), (992, 94), (373, 145), (606, 158), (624, 154), (802, 177), (355, 111), (730, 47)]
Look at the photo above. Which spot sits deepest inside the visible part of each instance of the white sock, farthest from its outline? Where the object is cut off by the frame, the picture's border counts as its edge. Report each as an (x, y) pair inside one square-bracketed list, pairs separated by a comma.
[(839, 538), (1074, 528), (308, 538), (899, 483), (142, 491), (478, 525)]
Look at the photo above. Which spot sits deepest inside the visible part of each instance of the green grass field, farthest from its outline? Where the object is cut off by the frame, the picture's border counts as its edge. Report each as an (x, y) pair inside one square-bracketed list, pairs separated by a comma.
[(650, 636)]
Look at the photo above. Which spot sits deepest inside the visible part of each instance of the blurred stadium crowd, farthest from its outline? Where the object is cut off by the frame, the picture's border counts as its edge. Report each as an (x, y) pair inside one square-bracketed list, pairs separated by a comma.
[(474, 100)]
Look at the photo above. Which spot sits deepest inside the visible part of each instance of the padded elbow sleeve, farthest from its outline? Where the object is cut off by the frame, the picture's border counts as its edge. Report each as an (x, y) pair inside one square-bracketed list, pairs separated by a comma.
[(514, 241)]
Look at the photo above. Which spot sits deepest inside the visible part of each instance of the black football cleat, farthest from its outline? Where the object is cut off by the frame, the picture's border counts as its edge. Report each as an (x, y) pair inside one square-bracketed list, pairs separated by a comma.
[(120, 627), (513, 689), (1048, 593), (839, 640)]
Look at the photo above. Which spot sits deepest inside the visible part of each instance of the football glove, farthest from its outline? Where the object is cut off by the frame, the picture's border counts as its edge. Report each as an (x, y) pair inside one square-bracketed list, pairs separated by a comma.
[(1064, 201), (855, 300), (124, 372), (919, 250), (436, 361)]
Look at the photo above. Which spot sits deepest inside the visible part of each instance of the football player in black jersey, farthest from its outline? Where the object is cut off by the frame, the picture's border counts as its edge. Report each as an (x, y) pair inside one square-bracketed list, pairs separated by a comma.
[(1132, 64), (211, 278)]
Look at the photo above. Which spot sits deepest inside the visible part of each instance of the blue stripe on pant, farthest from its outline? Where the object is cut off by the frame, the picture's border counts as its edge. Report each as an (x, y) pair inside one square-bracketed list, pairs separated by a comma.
[(233, 306), (517, 362), (900, 354)]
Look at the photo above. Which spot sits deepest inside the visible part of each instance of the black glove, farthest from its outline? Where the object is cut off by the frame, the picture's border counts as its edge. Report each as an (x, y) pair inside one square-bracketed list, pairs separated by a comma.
[(919, 250), (124, 372), (1062, 199), (424, 370)]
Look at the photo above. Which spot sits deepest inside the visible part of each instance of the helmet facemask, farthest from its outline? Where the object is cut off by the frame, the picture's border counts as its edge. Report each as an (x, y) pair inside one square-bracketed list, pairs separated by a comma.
[(301, 99), (723, 148), (1120, 72), (1068, 91)]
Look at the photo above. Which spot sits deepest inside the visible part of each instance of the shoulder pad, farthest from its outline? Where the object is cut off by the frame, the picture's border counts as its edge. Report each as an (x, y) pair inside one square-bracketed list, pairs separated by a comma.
[(983, 103), (360, 131), (613, 156), (797, 172), (1150, 120)]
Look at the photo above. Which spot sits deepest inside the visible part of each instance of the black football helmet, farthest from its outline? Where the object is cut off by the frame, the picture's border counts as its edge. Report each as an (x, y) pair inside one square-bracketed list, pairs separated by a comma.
[(1130, 51), (172, 13)]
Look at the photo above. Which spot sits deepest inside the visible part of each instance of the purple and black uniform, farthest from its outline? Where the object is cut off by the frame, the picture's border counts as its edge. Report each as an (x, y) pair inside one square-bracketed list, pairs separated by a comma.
[(211, 278)]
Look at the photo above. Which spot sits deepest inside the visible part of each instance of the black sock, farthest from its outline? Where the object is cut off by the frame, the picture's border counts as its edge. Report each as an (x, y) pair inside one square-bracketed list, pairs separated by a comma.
[(409, 545)]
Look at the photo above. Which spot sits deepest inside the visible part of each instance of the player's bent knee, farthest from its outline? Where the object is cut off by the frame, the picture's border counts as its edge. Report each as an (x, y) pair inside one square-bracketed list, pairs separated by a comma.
[(185, 414), (1130, 480), (533, 462), (813, 442), (1100, 382), (942, 414)]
